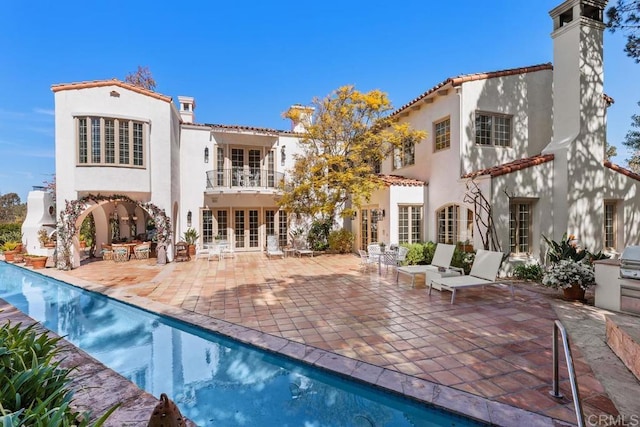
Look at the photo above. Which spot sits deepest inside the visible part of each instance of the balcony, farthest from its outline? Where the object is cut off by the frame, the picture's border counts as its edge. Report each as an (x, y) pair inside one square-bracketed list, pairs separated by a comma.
[(243, 179)]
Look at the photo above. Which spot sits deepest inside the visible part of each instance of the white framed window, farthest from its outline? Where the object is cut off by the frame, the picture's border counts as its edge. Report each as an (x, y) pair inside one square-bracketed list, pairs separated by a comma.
[(410, 224), (442, 134), (493, 129), (610, 224), (449, 224), (520, 215), (405, 154), (110, 141)]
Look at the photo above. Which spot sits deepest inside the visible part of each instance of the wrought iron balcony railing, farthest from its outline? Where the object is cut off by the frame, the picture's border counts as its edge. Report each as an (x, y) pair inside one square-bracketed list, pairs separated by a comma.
[(243, 178)]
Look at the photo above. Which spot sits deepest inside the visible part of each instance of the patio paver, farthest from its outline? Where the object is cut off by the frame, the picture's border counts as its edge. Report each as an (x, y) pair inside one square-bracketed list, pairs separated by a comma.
[(487, 344)]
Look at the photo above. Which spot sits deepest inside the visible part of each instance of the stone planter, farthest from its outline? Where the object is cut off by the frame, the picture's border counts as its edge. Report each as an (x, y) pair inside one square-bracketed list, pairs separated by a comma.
[(39, 262), (575, 292)]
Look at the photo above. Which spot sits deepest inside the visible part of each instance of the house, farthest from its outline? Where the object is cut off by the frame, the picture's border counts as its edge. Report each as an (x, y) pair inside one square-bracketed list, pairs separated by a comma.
[(530, 141), (129, 156)]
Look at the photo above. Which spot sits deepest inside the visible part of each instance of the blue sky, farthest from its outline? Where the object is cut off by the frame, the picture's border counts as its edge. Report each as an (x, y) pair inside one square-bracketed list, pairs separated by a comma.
[(247, 62)]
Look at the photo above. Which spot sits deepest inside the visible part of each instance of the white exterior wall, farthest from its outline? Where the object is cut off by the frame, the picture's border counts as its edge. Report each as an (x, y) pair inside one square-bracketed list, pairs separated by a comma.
[(139, 183), (527, 98)]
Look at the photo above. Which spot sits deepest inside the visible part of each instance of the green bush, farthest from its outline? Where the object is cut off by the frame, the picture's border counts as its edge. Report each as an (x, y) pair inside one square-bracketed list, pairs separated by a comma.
[(10, 233), (532, 272), (429, 251), (34, 388), (318, 235), (341, 241), (415, 255), (462, 259)]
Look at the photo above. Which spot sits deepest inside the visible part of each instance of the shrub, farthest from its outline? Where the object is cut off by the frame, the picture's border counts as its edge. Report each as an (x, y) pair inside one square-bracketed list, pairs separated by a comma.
[(429, 251), (532, 272), (415, 255), (341, 241), (462, 259), (34, 388), (318, 235)]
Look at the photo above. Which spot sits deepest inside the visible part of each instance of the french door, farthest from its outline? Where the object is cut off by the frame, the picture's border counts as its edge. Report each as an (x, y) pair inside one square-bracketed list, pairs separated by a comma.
[(246, 229), (368, 228)]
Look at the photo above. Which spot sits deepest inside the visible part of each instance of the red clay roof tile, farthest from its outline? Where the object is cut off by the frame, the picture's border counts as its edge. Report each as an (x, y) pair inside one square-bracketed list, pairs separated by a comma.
[(398, 180), (516, 165), (458, 80), (622, 170), (113, 82)]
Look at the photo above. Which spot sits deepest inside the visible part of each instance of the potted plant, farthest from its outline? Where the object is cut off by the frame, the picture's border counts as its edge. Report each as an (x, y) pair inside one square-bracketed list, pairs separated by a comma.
[(9, 250), (45, 240), (190, 237), (574, 278), (38, 261)]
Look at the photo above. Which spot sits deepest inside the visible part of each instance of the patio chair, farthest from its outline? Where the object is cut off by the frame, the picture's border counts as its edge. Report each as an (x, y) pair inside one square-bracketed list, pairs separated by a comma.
[(374, 250), (441, 258), (120, 253), (302, 247), (182, 252), (142, 250), (365, 259), (484, 271), (226, 249), (273, 249), (214, 250)]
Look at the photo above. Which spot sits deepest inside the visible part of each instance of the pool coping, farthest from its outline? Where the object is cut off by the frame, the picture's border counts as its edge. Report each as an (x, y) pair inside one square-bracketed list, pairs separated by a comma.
[(436, 395)]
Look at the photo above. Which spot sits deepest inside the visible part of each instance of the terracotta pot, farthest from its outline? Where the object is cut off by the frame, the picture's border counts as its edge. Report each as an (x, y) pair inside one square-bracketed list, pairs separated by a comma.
[(83, 244), (27, 261), (39, 261), (19, 248), (9, 255), (575, 292), (192, 250)]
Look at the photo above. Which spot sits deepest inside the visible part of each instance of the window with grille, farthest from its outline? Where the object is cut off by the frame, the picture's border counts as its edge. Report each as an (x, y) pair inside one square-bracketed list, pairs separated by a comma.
[(493, 129), (104, 140), (404, 155), (442, 134), (448, 224), (520, 227), (207, 226), (223, 224), (409, 224), (610, 225), (283, 231)]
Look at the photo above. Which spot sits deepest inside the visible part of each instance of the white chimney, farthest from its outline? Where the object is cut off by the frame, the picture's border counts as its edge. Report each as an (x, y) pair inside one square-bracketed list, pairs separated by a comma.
[(187, 105), (300, 117)]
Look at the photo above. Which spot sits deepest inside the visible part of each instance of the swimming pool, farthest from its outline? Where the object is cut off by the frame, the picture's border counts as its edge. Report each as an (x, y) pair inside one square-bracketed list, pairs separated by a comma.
[(214, 380)]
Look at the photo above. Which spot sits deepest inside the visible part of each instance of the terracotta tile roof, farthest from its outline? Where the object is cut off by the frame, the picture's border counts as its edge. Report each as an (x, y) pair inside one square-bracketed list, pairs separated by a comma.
[(398, 180), (242, 128), (113, 82), (458, 80), (622, 170), (516, 165)]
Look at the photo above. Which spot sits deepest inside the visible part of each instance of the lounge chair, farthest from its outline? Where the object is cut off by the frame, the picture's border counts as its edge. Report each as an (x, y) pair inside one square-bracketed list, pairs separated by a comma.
[(273, 249), (484, 271), (441, 259), (302, 248)]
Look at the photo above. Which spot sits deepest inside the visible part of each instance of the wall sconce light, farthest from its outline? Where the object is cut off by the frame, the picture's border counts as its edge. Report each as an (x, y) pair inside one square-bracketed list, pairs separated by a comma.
[(189, 219), (206, 154), (378, 214), (283, 155), (135, 218)]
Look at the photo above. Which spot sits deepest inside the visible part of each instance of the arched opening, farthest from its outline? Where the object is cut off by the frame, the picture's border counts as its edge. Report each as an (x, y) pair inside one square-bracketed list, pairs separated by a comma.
[(116, 217)]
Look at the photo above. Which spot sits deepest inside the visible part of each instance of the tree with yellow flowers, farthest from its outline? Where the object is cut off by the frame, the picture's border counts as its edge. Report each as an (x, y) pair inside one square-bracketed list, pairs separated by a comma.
[(350, 133)]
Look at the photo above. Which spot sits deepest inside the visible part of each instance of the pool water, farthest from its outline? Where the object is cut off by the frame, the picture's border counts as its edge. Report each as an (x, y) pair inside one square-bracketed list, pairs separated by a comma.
[(214, 380)]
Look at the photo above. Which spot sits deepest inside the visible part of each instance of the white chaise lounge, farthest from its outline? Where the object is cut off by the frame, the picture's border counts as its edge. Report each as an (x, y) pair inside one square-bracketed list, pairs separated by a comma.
[(441, 258), (484, 271)]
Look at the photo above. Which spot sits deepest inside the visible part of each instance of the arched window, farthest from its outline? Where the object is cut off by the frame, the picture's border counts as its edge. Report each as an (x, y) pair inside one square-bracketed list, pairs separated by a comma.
[(206, 154)]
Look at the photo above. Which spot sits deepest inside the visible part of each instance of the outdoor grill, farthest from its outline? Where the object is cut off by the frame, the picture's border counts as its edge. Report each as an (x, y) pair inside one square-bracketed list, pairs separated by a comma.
[(630, 280)]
